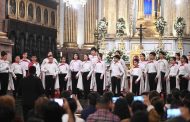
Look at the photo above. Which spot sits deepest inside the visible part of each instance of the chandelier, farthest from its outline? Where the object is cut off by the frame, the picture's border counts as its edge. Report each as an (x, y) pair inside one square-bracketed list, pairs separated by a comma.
[(69, 3)]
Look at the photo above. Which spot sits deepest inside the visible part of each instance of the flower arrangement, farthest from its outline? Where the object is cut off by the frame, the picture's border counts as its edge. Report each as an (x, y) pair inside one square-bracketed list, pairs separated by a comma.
[(179, 26), (160, 25), (120, 26), (109, 56), (102, 27)]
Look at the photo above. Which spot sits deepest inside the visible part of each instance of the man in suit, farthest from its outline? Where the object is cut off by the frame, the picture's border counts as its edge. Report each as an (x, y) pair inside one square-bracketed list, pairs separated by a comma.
[(31, 88)]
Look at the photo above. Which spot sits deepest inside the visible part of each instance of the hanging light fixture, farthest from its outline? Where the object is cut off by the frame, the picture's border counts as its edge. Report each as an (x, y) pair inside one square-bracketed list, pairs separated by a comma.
[(70, 3)]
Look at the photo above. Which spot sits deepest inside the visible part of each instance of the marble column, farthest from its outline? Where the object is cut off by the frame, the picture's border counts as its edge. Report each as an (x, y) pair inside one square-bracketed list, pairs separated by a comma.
[(91, 19), (80, 27), (70, 27), (61, 22)]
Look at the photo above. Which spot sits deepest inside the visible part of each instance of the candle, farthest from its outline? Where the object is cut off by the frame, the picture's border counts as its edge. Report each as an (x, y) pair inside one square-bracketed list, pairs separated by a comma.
[(61, 54)]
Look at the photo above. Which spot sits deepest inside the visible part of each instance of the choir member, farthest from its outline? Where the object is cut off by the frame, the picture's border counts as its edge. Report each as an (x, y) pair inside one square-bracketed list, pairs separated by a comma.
[(93, 57), (121, 60), (35, 63), (63, 74), (183, 73), (4, 73), (85, 74), (151, 71), (75, 66), (117, 73), (46, 60), (137, 81), (100, 69), (178, 61), (18, 73), (50, 70), (162, 65), (172, 74), (142, 62), (25, 62)]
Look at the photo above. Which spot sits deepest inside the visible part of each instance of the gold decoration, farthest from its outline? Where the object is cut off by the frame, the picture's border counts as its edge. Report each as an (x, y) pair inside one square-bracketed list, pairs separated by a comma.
[(180, 44), (136, 51)]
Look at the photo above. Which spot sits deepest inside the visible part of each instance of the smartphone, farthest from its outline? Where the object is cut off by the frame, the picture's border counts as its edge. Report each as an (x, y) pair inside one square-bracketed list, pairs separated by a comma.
[(59, 101), (114, 99), (138, 98), (172, 113)]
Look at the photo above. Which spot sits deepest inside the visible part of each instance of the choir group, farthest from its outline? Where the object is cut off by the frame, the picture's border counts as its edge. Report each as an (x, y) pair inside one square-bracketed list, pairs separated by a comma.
[(92, 73)]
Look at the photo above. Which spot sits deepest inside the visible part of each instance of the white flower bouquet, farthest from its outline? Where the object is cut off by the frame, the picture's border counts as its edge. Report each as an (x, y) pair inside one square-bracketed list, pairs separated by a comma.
[(179, 26), (160, 25), (102, 27), (120, 26)]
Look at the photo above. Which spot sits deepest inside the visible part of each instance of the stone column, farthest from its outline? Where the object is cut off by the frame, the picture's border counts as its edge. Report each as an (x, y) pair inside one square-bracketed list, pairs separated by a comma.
[(80, 27), (91, 19), (61, 22), (70, 27)]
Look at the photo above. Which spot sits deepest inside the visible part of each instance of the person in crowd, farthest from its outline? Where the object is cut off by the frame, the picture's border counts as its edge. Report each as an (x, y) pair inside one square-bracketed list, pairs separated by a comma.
[(93, 56), (84, 74), (183, 73), (51, 71), (117, 75), (121, 109), (25, 62), (172, 73), (140, 116), (185, 109), (162, 69), (178, 61), (169, 100), (46, 60), (137, 80), (91, 108), (103, 114), (4, 73), (31, 88), (70, 107), (75, 66), (35, 63), (64, 74), (52, 112), (18, 73), (7, 114), (129, 97), (99, 70), (151, 70)]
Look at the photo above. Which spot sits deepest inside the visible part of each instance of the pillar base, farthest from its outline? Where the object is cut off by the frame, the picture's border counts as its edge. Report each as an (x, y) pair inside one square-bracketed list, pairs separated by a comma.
[(70, 45), (88, 45)]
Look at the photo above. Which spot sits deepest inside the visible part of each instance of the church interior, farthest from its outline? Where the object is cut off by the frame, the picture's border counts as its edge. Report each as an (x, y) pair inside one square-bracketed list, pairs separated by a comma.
[(67, 26)]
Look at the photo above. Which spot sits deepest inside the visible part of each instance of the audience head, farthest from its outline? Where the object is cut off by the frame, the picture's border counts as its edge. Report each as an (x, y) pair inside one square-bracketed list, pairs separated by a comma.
[(121, 109), (158, 105), (142, 57), (52, 112), (8, 101), (38, 106), (185, 110), (175, 93), (153, 94), (169, 99), (138, 106), (129, 97), (92, 97), (103, 103), (32, 70), (3, 55), (140, 116)]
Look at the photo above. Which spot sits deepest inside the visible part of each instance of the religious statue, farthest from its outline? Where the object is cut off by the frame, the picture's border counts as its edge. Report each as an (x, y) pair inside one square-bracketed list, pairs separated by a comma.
[(22, 9), (30, 11), (38, 14), (12, 7), (45, 16), (53, 18)]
